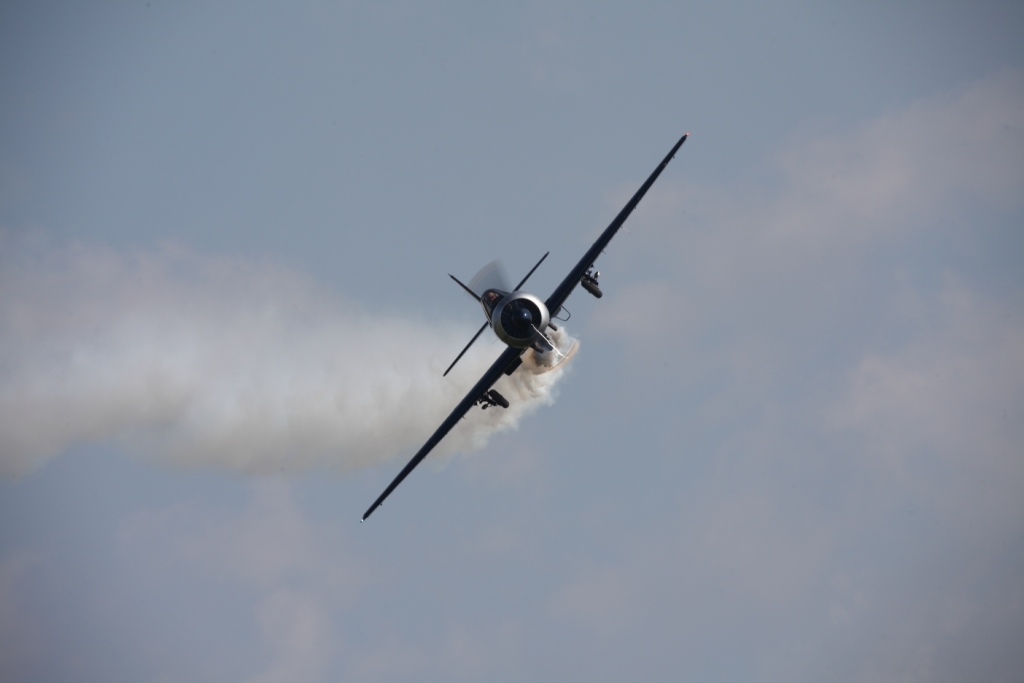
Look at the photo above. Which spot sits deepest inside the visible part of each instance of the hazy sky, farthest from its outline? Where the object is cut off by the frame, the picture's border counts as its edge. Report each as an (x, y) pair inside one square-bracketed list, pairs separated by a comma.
[(789, 448)]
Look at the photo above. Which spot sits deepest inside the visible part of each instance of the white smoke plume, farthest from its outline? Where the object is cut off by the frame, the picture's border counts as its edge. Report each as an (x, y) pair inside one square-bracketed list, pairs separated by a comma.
[(223, 362)]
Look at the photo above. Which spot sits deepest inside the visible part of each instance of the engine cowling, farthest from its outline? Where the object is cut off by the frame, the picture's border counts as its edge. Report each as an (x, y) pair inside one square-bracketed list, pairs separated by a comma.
[(517, 317)]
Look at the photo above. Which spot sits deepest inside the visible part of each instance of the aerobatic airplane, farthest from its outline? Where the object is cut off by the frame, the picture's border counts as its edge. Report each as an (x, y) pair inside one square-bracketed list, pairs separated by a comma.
[(520, 320)]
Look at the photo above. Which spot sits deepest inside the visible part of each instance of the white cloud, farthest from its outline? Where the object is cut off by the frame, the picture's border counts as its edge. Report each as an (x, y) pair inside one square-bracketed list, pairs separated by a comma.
[(297, 627), (829, 198), (18, 637), (298, 577), (899, 173), (952, 398), (311, 597)]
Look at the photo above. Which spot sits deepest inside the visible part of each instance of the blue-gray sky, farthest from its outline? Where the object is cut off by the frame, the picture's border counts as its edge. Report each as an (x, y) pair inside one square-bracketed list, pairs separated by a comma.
[(789, 448)]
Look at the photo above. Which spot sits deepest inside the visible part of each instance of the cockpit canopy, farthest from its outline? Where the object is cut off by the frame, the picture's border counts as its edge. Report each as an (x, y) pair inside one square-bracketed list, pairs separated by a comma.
[(490, 299)]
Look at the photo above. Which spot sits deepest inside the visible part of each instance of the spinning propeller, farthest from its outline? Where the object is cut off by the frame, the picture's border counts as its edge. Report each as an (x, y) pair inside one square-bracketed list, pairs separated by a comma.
[(493, 276)]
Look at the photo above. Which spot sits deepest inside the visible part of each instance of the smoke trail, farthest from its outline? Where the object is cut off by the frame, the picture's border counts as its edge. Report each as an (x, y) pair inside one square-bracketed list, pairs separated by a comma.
[(223, 362)]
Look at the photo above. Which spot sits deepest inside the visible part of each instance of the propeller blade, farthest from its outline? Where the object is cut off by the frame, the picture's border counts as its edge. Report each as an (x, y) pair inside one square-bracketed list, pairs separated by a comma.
[(491, 276), (520, 285), (479, 332)]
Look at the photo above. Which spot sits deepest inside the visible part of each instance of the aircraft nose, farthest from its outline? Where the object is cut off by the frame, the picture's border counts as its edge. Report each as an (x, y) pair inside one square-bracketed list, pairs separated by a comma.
[(524, 316)]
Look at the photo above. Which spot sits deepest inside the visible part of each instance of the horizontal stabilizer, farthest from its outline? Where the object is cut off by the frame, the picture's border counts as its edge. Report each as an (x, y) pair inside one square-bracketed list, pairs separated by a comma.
[(523, 282), (463, 352), (468, 290)]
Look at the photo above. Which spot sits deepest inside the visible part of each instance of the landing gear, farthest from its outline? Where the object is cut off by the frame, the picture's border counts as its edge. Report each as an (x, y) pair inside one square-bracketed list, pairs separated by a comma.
[(589, 282), (491, 398)]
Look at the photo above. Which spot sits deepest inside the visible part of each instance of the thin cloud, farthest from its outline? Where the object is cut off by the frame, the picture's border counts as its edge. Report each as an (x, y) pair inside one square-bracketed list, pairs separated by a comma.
[(857, 434)]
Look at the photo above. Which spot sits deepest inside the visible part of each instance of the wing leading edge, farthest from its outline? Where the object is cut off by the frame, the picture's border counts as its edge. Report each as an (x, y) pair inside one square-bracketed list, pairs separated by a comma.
[(510, 354), (485, 383), (563, 290)]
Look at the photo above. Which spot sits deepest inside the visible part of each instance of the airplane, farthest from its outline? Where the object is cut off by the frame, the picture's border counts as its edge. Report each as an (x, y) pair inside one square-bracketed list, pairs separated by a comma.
[(520, 319)]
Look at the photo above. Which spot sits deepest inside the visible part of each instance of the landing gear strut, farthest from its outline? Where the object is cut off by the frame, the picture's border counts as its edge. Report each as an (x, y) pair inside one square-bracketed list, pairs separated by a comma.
[(491, 398), (589, 282)]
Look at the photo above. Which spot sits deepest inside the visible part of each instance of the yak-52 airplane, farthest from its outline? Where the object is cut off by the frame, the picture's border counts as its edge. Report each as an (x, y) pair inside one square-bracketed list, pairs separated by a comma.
[(520, 320)]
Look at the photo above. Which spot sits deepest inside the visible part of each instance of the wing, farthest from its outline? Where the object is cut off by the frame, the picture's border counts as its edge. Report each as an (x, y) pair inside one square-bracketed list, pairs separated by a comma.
[(510, 354), (563, 290), (490, 377)]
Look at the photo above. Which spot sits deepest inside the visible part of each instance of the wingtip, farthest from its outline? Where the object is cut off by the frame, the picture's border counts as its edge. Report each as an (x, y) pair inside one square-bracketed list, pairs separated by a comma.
[(369, 512)]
